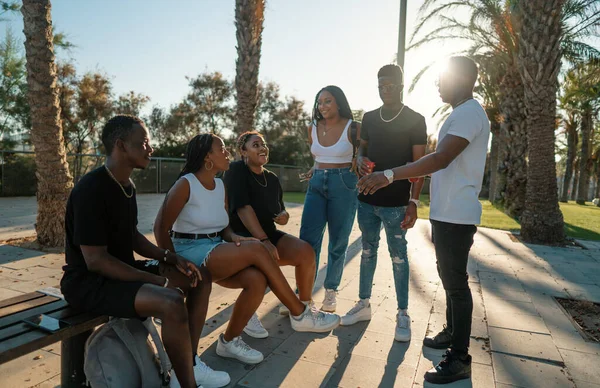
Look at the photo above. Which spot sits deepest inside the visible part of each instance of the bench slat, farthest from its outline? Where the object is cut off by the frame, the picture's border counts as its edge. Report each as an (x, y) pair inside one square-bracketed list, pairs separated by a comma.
[(37, 339), (67, 314), (20, 299), (15, 308), (56, 304)]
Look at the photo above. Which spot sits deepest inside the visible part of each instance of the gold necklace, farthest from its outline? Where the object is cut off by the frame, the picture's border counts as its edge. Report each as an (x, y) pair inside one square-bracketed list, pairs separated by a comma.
[(119, 183), (325, 129), (264, 177), (393, 118)]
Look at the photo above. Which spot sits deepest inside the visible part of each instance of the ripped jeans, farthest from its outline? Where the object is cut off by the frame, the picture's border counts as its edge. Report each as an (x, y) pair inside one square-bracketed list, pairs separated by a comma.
[(370, 219)]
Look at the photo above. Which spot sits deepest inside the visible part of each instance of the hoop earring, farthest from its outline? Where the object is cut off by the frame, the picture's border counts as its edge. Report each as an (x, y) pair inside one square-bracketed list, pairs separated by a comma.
[(211, 165)]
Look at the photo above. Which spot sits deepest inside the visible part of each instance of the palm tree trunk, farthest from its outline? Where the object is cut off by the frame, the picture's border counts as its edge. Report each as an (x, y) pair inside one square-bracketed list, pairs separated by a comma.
[(54, 181), (494, 161), (571, 151), (539, 59), (575, 183), (249, 18), (513, 114), (585, 160), (500, 184)]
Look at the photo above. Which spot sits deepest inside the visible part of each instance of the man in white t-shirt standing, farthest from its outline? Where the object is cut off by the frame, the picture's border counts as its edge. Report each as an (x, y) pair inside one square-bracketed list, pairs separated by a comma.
[(457, 168)]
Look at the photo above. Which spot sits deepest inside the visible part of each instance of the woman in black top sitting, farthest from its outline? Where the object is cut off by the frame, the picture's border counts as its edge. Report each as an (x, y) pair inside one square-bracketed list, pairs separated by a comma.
[(255, 206)]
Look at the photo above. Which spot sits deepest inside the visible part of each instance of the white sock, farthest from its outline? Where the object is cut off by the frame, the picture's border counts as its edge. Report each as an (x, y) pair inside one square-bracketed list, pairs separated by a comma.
[(297, 317), (223, 339)]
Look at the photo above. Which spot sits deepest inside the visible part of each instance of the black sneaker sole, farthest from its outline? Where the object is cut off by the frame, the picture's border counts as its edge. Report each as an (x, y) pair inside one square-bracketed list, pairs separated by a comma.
[(435, 379), (435, 345)]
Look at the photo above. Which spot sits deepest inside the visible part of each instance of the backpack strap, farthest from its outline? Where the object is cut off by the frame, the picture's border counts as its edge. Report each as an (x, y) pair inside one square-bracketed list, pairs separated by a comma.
[(163, 358)]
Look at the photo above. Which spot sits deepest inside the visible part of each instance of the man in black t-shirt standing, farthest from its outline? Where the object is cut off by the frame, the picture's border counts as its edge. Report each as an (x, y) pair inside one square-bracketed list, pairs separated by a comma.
[(391, 136), (102, 275)]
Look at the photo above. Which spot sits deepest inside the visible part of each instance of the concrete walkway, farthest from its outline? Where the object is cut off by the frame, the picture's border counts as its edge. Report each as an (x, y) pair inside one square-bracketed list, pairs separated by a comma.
[(520, 338)]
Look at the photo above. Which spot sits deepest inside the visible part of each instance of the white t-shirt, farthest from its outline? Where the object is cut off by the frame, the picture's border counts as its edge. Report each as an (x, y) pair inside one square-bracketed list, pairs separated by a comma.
[(455, 189)]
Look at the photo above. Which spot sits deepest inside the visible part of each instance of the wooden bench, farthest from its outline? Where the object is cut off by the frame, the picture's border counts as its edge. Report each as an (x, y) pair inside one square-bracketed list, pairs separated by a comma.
[(18, 338)]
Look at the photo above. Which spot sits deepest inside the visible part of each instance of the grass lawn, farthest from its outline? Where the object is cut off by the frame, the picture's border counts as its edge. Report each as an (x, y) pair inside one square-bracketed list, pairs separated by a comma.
[(581, 221)]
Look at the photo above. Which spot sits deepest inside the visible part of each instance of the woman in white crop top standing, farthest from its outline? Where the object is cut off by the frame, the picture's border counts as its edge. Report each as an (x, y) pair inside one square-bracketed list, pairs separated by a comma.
[(331, 198), (196, 210)]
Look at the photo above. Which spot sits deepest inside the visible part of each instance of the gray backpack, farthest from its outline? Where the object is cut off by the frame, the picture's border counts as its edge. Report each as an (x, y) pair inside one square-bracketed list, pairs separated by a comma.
[(119, 354)]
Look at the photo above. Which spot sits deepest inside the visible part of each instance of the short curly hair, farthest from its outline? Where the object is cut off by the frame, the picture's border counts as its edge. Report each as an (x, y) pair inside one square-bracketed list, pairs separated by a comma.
[(118, 127)]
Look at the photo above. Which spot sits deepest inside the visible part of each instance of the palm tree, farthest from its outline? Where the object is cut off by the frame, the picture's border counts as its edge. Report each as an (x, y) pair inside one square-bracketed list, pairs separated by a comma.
[(494, 44), (540, 59), (493, 31), (52, 170), (249, 18)]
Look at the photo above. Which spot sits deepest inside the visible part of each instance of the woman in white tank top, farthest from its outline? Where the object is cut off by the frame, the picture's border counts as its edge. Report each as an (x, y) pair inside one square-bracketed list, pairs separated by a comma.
[(331, 198), (195, 209)]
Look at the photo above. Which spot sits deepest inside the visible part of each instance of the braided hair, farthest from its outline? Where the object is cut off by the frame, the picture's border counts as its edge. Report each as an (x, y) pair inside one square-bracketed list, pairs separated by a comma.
[(340, 99), (240, 144), (196, 151)]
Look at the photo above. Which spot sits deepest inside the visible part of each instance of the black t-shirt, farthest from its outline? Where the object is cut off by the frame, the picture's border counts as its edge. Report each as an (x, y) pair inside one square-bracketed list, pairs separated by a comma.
[(262, 192), (390, 145), (99, 214)]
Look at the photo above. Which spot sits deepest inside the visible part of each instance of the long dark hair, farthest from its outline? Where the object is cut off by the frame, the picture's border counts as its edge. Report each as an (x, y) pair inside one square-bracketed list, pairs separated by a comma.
[(196, 151), (340, 99)]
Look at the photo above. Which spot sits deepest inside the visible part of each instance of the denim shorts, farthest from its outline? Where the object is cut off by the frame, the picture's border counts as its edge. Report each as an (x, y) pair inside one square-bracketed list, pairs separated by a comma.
[(196, 251)]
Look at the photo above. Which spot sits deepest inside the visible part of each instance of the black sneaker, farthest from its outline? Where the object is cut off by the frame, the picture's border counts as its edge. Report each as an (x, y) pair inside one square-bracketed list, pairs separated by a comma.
[(451, 368), (442, 340)]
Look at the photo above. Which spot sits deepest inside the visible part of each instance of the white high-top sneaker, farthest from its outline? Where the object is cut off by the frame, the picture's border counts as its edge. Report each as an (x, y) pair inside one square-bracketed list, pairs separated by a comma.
[(360, 312), (208, 377), (402, 327), (238, 349), (330, 301), (315, 321), (254, 328), (204, 375)]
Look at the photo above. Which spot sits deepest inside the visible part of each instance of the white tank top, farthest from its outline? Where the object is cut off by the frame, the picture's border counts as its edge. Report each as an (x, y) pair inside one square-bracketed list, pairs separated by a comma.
[(204, 212), (340, 152)]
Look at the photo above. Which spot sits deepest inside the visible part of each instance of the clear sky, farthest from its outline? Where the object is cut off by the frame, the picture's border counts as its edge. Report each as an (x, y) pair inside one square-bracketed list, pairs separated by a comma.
[(150, 46)]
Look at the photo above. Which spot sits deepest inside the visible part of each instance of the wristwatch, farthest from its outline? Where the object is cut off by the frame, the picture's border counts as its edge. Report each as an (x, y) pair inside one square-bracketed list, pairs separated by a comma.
[(415, 201), (389, 174)]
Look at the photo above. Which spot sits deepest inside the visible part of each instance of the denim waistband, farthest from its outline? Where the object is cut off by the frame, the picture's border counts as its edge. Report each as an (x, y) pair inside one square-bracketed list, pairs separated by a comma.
[(331, 170)]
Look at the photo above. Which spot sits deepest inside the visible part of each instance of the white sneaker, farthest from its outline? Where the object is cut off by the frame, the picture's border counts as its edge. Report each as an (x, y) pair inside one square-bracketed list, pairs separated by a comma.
[(402, 327), (330, 301), (238, 349), (255, 329), (315, 321), (360, 312), (174, 383), (208, 377), (285, 311)]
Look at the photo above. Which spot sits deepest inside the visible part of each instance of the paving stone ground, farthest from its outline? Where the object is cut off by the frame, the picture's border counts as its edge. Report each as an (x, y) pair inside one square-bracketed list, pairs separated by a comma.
[(520, 337)]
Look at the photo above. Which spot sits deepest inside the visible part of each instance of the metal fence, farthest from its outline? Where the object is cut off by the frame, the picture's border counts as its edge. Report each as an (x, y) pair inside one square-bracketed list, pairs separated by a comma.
[(17, 173)]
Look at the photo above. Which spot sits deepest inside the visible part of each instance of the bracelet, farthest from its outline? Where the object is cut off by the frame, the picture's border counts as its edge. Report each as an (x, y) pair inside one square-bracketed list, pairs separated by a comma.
[(166, 282), (264, 239), (166, 253)]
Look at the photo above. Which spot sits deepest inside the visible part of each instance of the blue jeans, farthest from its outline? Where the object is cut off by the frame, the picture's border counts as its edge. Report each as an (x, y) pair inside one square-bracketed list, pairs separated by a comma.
[(331, 199), (370, 219)]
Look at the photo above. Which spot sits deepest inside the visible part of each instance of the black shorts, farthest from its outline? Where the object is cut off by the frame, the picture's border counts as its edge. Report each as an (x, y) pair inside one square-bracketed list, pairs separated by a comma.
[(89, 291), (273, 235)]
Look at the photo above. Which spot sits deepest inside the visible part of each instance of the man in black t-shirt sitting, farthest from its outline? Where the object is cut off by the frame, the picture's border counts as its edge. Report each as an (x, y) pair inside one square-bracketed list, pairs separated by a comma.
[(391, 136), (102, 275)]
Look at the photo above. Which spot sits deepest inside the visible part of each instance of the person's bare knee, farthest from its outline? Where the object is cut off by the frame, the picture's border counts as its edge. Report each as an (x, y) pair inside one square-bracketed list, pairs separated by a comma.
[(173, 308), (307, 255)]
